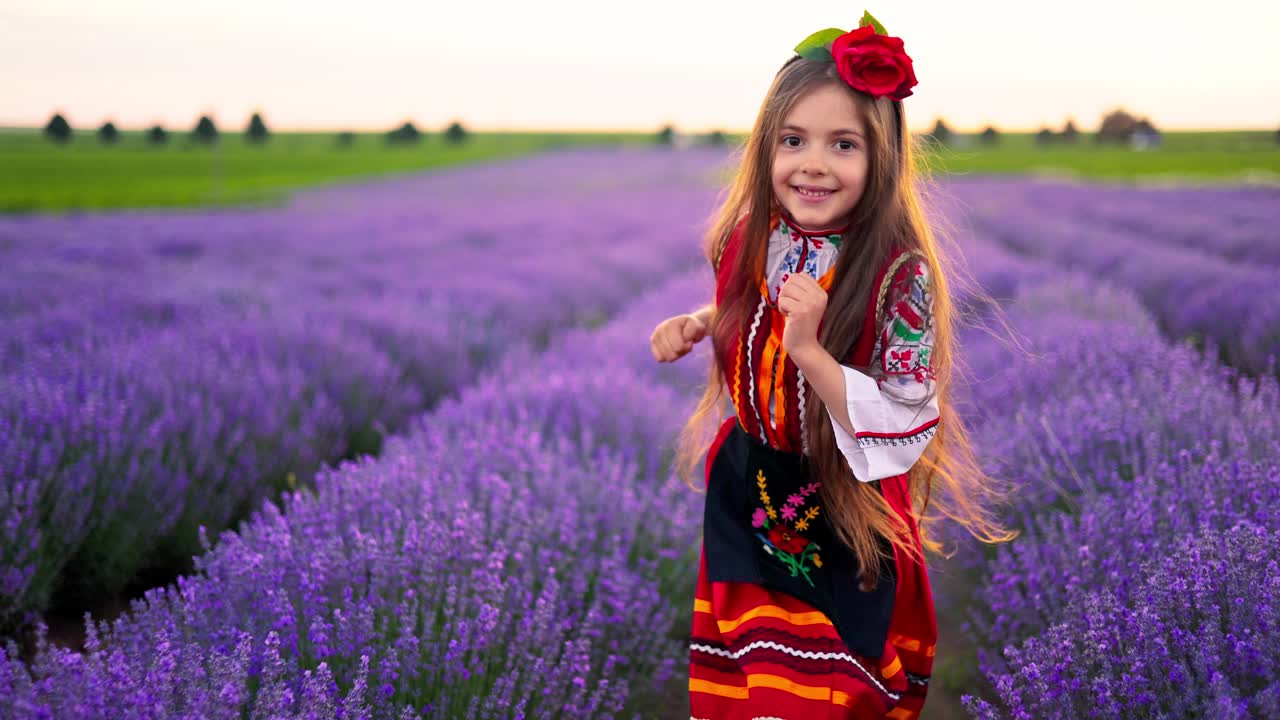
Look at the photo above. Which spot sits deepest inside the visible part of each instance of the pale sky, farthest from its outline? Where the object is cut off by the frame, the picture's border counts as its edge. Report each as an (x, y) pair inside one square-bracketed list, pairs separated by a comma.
[(611, 64)]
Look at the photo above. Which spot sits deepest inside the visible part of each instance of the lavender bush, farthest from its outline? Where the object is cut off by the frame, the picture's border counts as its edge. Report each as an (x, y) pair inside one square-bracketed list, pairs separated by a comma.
[(1064, 556), (1196, 638)]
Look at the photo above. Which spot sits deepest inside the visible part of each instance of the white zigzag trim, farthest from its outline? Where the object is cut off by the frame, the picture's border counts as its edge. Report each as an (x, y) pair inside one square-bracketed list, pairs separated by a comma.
[(807, 655), (751, 374), (804, 431)]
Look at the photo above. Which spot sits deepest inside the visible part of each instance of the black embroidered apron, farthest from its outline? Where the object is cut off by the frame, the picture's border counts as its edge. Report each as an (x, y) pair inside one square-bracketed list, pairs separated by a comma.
[(765, 524)]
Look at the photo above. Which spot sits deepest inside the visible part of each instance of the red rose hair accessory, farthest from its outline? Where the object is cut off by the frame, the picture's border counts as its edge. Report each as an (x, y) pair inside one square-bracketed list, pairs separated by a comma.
[(867, 58)]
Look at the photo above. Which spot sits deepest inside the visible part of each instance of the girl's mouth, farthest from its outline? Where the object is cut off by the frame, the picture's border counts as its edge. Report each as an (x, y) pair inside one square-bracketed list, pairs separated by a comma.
[(812, 195)]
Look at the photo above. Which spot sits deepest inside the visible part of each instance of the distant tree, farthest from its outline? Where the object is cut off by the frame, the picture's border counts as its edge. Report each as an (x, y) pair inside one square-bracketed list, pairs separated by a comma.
[(716, 138), (406, 134), (1044, 137), (205, 131), (455, 134), (990, 136), (1144, 135), (1069, 132), (257, 131), (58, 129), (345, 139), (667, 135), (1278, 136), (941, 132), (107, 134), (157, 135), (1117, 127)]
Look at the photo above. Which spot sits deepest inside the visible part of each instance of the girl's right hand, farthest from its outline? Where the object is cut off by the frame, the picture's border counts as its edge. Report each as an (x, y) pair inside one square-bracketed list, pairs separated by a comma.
[(675, 336)]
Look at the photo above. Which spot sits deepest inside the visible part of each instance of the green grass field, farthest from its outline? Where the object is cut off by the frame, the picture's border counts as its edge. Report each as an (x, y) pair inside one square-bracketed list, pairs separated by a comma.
[(1183, 157), (42, 176)]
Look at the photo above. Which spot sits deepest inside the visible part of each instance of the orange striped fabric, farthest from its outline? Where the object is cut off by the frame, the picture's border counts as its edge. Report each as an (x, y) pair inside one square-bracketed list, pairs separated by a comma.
[(759, 653)]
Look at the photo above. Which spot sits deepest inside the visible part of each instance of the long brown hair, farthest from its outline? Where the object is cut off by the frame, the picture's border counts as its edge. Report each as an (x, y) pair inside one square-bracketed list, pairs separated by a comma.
[(888, 216)]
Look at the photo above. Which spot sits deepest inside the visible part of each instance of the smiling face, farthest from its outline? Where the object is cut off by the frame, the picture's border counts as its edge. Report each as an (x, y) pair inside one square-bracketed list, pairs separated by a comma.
[(820, 159)]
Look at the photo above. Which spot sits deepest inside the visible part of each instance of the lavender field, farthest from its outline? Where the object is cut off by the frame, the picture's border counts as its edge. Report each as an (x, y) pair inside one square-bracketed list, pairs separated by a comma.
[(515, 544), (162, 371)]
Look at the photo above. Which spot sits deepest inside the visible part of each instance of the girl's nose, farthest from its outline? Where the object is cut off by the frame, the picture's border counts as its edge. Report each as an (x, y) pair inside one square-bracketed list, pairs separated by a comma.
[(813, 166)]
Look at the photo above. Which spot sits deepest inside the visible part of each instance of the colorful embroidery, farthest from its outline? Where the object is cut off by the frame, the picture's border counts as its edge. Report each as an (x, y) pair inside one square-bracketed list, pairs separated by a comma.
[(907, 332), (922, 434), (816, 260), (782, 541)]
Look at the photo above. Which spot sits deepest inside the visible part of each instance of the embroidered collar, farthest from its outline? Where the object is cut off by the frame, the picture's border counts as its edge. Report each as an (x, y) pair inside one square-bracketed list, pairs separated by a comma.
[(792, 231)]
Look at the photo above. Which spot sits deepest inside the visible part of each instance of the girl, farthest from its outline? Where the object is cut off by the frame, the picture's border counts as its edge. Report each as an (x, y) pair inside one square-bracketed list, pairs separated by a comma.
[(831, 331)]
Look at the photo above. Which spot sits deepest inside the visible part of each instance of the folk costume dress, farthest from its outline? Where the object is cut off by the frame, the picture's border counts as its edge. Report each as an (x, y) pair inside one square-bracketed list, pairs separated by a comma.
[(780, 628)]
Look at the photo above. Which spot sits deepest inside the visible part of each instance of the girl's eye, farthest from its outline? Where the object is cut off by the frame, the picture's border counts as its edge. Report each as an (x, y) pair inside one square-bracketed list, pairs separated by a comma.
[(846, 144)]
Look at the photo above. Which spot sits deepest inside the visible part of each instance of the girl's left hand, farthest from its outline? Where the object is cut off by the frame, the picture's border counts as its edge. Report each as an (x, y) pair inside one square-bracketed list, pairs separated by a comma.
[(803, 301)]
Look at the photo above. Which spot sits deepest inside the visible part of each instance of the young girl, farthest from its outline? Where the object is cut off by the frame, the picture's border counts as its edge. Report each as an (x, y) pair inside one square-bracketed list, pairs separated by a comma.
[(831, 331)]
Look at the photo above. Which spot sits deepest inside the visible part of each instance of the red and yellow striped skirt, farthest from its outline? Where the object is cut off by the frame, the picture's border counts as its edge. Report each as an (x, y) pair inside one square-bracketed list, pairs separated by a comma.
[(757, 653)]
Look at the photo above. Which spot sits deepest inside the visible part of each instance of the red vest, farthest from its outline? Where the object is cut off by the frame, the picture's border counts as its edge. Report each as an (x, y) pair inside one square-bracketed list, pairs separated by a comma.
[(763, 381)]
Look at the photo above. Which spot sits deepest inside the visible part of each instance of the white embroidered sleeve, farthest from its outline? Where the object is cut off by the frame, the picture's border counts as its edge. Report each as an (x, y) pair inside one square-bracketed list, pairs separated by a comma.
[(894, 411)]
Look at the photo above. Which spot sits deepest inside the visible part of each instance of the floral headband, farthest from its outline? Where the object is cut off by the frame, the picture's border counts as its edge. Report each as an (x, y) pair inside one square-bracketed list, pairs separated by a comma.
[(867, 58)]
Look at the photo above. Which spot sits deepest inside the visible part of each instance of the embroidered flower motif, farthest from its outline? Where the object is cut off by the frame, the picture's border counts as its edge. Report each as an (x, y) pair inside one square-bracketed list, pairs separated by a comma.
[(803, 523), (817, 561), (783, 541), (764, 496), (783, 538)]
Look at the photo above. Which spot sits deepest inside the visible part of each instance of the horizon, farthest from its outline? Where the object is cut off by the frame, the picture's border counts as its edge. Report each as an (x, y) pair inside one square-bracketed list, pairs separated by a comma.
[(239, 127)]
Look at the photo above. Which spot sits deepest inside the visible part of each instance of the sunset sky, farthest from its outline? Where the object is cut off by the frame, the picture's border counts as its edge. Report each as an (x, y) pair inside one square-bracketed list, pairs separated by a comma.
[(585, 64)]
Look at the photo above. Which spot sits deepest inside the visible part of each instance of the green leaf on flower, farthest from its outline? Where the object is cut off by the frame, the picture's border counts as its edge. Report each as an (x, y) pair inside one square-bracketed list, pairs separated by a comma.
[(867, 19), (818, 45)]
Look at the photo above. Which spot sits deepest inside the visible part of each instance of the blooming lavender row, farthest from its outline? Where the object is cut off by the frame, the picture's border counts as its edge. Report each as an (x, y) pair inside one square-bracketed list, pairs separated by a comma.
[(159, 371), (1235, 223), (522, 551), (1104, 411), (1194, 292), (1194, 637), (1124, 448)]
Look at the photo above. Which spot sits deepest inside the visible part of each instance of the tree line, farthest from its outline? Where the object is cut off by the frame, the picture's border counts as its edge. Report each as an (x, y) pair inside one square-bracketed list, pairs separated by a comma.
[(256, 132), (206, 132), (1118, 127)]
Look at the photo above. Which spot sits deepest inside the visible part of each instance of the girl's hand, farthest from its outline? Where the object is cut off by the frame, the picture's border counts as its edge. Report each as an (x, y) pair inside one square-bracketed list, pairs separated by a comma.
[(803, 301), (675, 336)]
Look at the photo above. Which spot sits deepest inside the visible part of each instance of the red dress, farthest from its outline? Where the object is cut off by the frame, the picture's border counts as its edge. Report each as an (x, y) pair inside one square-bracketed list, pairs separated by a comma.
[(779, 627)]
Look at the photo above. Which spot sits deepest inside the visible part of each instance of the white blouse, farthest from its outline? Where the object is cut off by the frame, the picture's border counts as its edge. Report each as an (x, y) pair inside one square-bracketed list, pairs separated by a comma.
[(894, 410)]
